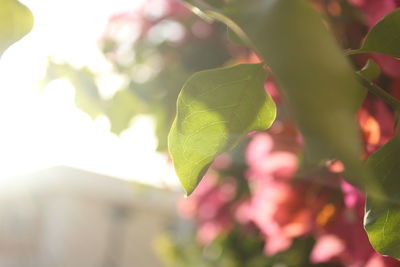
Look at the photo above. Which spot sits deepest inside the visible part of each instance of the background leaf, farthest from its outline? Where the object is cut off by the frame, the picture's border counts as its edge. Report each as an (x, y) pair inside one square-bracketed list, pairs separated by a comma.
[(310, 68), (121, 108), (87, 96), (384, 37), (217, 108), (16, 20), (382, 220)]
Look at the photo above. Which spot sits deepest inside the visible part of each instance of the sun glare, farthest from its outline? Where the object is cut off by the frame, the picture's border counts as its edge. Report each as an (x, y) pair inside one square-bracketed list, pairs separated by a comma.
[(44, 128)]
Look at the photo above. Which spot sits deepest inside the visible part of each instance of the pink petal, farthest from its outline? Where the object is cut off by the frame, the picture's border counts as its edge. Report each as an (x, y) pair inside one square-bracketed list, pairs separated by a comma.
[(326, 248), (276, 244)]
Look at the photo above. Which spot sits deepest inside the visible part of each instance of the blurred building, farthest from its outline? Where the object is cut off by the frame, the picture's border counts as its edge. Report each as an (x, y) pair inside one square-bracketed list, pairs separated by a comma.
[(65, 217)]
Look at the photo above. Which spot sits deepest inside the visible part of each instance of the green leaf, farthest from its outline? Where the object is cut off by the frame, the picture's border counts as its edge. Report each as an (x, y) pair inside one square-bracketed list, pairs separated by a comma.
[(382, 220), (121, 108), (371, 70), (311, 70), (215, 110), (234, 38), (384, 37), (87, 96), (16, 20)]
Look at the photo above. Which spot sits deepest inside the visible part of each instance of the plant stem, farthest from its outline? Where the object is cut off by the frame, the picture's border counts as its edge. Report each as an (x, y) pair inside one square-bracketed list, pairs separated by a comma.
[(379, 92), (350, 52)]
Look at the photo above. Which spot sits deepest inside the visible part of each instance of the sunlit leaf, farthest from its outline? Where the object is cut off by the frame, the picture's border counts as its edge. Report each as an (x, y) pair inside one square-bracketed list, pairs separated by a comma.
[(384, 37), (382, 220), (215, 109), (16, 20), (87, 96), (313, 74), (120, 110)]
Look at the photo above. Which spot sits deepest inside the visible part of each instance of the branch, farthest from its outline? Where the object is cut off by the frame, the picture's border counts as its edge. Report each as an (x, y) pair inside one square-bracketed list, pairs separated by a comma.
[(379, 92)]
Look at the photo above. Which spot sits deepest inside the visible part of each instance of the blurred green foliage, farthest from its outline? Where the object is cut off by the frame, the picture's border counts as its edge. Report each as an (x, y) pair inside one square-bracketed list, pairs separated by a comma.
[(16, 20), (155, 69), (238, 248)]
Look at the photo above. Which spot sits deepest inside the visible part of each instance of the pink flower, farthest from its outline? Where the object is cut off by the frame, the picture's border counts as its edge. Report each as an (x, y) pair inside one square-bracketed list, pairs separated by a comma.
[(210, 206), (277, 208), (271, 88), (376, 122), (343, 239), (281, 215), (327, 248), (388, 64), (374, 10), (266, 163), (222, 162), (377, 260)]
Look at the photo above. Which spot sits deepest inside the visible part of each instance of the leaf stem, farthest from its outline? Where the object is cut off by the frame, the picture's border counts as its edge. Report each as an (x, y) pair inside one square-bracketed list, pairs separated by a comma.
[(379, 92), (349, 52)]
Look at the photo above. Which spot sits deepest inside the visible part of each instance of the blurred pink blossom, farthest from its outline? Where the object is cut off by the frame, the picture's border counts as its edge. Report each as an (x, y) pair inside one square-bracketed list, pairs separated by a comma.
[(374, 10), (276, 207), (209, 206), (345, 236), (326, 248), (281, 215)]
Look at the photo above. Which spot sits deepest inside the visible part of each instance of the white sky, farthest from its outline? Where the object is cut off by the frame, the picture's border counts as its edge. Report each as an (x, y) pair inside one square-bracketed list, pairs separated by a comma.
[(40, 130)]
